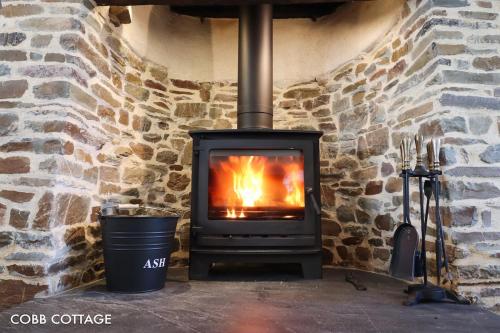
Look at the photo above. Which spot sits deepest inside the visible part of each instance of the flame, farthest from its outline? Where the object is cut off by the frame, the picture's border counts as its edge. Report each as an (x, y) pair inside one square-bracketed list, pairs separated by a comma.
[(242, 184), (248, 181)]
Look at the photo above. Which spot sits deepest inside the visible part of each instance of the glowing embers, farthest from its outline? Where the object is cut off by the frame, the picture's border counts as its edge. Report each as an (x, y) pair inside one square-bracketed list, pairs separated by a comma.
[(256, 185)]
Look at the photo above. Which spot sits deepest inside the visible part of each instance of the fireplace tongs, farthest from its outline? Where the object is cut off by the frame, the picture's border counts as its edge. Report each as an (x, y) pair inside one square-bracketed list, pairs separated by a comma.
[(310, 192)]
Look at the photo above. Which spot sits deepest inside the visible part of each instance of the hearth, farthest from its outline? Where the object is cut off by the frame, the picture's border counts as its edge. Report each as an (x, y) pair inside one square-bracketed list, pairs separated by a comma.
[(255, 198), (255, 191)]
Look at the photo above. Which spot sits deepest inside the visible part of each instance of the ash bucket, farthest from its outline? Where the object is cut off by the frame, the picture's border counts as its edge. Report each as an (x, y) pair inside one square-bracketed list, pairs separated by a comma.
[(136, 250)]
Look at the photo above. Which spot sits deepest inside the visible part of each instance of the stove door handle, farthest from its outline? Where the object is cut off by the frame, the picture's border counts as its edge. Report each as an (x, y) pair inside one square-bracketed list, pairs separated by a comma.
[(312, 198)]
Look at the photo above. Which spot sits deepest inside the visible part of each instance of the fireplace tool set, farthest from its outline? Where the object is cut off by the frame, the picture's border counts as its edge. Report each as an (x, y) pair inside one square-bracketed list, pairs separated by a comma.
[(407, 260)]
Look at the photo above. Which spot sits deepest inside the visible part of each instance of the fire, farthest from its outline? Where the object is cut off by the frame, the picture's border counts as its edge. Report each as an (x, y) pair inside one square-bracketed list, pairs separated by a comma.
[(248, 181), (246, 185)]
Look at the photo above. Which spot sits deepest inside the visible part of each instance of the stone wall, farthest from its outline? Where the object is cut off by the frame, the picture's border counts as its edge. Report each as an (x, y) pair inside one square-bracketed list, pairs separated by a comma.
[(82, 118)]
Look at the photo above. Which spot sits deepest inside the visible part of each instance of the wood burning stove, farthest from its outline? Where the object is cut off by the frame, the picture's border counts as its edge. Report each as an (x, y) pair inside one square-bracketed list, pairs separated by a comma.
[(255, 198), (255, 191)]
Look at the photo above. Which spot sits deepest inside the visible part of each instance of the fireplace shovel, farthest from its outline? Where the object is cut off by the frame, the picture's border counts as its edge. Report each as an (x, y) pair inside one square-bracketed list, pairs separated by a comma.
[(405, 251)]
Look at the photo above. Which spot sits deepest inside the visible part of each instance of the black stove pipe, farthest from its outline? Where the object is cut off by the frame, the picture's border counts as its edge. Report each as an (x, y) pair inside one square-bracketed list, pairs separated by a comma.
[(255, 67)]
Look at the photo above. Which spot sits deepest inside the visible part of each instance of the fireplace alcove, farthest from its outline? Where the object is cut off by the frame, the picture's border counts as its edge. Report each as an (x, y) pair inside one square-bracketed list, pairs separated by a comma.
[(102, 111)]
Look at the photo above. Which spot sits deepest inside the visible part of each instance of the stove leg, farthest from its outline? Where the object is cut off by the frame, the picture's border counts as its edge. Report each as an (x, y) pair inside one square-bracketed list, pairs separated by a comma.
[(199, 268), (312, 267)]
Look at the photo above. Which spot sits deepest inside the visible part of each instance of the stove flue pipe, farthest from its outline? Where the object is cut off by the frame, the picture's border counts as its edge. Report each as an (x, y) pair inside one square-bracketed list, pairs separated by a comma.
[(255, 67)]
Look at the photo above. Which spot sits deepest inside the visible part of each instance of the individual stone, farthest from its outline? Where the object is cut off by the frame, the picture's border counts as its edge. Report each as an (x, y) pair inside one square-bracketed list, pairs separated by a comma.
[(167, 157), (487, 172), (386, 169), (74, 236), (19, 219), (340, 105), (190, 110), (345, 213), (109, 174), (316, 102), (59, 126), (440, 127), (452, 76), (362, 151), (416, 112), (486, 218), (138, 176), (302, 93), (376, 242), (71, 208), (13, 88), (378, 141), (152, 137), (27, 270), (43, 216), (478, 15), (456, 216), (54, 71), (479, 125), (8, 123), (27, 256), (142, 124), (145, 152), (3, 210), (15, 196), (15, 164), (177, 181), (362, 217), (20, 10), (225, 98), (352, 122), (55, 57), (394, 184), (54, 24), (330, 227), (41, 41), (63, 89), (374, 187), (4, 70), (105, 95), (354, 240), (12, 38), (396, 70), (470, 102), (363, 253), (365, 174), (491, 154), (327, 195), (370, 205), (384, 222), (137, 92), (345, 162), (358, 98), (185, 84), (382, 254), (459, 190), (155, 85), (6, 238), (487, 63), (474, 237)]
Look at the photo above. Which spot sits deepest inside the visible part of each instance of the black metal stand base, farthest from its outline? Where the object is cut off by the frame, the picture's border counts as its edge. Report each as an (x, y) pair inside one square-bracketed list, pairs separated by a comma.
[(431, 294), (201, 262)]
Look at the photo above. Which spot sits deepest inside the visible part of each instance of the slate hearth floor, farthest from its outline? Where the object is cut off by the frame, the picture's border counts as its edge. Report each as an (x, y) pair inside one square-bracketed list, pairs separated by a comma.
[(275, 303)]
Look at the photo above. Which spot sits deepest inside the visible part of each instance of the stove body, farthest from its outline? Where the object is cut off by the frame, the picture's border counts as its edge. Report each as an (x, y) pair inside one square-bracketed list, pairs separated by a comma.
[(282, 225)]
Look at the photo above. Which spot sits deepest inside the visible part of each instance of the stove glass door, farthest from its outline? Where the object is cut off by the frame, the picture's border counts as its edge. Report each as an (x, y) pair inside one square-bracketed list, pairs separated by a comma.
[(256, 184)]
